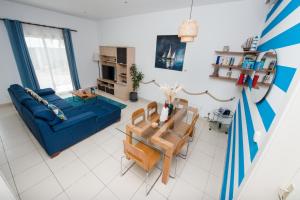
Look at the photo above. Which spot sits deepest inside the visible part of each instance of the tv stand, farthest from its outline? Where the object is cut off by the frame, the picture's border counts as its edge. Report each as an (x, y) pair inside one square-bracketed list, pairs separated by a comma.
[(121, 58)]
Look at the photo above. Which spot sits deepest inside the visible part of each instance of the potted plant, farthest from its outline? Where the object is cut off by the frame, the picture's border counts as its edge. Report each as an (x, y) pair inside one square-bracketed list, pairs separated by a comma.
[(136, 77)]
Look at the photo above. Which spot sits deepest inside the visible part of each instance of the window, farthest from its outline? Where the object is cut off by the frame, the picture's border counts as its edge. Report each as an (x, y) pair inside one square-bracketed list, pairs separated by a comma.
[(48, 54)]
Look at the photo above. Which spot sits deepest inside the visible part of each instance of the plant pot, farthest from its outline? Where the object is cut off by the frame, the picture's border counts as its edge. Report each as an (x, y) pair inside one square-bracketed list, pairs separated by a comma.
[(133, 96)]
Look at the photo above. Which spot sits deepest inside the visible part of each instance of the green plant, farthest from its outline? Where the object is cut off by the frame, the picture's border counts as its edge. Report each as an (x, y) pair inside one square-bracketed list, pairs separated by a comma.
[(136, 77)]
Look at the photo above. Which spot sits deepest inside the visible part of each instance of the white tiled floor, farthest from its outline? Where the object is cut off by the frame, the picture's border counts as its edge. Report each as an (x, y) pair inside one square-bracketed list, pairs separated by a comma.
[(90, 169)]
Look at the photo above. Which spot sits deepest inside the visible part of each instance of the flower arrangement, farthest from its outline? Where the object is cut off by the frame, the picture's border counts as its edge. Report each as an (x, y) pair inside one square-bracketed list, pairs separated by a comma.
[(170, 92)]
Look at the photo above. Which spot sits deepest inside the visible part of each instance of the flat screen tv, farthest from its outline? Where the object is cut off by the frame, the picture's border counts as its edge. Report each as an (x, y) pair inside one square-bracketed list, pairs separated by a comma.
[(108, 72)]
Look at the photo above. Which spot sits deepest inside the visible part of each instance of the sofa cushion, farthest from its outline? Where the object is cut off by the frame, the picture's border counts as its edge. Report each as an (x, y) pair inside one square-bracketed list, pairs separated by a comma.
[(58, 112), (39, 110), (36, 96), (16, 87), (51, 98), (45, 91)]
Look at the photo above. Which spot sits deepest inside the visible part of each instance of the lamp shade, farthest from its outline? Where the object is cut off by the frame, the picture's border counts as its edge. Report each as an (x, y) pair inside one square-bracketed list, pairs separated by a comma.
[(96, 57), (188, 30)]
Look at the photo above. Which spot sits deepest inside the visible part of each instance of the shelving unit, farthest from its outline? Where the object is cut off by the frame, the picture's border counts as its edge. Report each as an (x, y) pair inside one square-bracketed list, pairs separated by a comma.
[(121, 59), (232, 66)]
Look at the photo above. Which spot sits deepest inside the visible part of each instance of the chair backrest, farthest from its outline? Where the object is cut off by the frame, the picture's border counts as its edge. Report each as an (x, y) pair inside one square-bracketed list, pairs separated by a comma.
[(182, 102), (138, 114), (136, 154), (187, 134), (151, 108)]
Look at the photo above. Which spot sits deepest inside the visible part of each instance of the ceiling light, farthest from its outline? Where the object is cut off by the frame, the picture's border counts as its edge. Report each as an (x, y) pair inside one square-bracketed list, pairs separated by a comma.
[(188, 30)]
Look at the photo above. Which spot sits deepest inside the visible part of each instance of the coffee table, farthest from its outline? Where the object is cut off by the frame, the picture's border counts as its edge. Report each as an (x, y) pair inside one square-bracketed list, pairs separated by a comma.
[(84, 95)]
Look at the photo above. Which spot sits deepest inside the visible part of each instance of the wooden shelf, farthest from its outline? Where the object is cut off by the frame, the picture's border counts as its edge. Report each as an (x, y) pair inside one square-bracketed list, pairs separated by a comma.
[(238, 67), (264, 84), (223, 78), (238, 52)]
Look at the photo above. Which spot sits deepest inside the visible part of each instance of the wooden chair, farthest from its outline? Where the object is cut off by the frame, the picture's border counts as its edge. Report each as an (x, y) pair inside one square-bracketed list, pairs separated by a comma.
[(138, 120), (182, 102), (180, 139), (152, 114), (144, 156)]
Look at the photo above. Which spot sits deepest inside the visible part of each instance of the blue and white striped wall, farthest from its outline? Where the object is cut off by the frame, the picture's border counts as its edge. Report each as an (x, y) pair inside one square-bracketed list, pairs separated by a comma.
[(282, 33)]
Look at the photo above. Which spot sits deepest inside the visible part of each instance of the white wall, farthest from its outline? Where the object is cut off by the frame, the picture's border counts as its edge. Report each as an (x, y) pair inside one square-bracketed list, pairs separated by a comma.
[(220, 24), (84, 41)]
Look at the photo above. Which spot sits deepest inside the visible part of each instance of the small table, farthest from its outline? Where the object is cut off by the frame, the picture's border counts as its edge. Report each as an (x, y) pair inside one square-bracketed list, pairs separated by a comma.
[(84, 95)]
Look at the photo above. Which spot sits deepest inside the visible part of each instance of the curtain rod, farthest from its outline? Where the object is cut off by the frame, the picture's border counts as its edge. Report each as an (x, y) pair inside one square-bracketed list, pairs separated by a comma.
[(41, 25)]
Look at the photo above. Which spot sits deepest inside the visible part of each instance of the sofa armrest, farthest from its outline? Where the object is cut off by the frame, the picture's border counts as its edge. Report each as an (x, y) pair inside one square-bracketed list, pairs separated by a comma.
[(44, 92), (74, 121)]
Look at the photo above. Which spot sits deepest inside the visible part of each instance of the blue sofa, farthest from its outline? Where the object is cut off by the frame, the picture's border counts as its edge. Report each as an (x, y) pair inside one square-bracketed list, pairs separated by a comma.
[(53, 134)]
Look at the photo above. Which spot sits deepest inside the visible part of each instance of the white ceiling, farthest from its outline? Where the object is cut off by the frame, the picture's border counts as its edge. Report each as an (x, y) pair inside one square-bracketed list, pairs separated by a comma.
[(101, 9)]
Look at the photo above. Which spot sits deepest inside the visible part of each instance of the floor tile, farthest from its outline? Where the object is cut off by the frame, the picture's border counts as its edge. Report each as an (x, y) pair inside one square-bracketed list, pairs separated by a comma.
[(31, 176), (201, 160), (217, 168), (141, 194), (165, 189), (45, 190), (5, 169), (195, 176), (61, 196), (105, 194), (27, 161), (86, 187), (94, 157), (183, 190), (19, 151), (64, 158), (120, 187), (83, 147), (113, 145), (107, 170), (71, 173), (213, 187), (205, 147)]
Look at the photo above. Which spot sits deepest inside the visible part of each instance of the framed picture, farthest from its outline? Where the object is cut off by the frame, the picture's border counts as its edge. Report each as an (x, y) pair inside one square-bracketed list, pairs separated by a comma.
[(169, 52)]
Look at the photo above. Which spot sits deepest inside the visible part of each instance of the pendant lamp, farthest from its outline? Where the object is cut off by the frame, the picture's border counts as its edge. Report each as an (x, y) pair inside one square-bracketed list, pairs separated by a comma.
[(188, 30)]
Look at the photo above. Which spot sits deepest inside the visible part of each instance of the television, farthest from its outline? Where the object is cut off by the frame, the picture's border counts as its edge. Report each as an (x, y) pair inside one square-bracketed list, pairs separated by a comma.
[(108, 72)]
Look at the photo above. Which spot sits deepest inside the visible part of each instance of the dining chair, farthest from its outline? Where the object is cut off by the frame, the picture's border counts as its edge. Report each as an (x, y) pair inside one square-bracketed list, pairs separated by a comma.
[(181, 102), (152, 113), (180, 139), (145, 157)]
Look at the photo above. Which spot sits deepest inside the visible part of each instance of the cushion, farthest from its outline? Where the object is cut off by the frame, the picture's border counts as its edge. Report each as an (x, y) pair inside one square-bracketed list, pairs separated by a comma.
[(57, 112), (46, 91), (16, 87), (39, 110), (36, 96)]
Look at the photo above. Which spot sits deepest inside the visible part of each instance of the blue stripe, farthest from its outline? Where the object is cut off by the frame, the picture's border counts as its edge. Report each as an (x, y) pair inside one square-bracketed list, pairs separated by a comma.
[(232, 160), (287, 38), (284, 77), (241, 146), (224, 185), (293, 5), (274, 9), (250, 128), (266, 112)]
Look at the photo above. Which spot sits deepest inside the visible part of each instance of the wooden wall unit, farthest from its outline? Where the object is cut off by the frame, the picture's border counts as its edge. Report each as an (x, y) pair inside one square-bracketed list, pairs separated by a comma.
[(121, 59)]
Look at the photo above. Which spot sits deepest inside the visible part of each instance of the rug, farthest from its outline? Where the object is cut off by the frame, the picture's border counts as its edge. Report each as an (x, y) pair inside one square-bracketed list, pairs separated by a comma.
[(76, 101)]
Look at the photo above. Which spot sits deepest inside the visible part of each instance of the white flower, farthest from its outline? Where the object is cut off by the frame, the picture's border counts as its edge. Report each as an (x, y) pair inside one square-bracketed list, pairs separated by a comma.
[(170, 92)]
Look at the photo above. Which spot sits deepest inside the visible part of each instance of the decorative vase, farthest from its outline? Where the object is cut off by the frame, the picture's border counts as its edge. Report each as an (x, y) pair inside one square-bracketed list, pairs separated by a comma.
[(164, 113), (133, 96)]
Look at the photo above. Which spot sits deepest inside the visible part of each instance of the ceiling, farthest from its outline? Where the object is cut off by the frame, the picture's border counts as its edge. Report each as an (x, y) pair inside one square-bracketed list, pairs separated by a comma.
[(102, 9)]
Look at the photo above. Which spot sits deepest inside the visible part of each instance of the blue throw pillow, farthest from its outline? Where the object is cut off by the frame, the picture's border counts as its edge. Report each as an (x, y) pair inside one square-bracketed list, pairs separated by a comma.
[(57, 112)]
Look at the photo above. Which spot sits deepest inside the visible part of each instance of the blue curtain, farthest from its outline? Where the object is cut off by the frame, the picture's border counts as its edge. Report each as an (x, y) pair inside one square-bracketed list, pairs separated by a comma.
[(21, 54), (71, 58)]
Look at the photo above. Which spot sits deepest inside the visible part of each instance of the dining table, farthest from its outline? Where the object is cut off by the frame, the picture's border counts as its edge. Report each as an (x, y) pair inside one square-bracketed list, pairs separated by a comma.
[(152, 134)]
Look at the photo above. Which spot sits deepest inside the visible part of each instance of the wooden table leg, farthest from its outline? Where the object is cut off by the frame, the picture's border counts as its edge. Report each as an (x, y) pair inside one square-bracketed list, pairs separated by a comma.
[(167, 167)]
